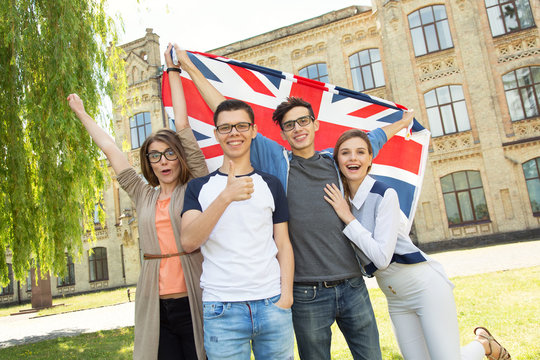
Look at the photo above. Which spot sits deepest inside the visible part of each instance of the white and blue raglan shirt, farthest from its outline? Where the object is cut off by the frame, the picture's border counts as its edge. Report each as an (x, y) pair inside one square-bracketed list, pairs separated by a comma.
[(240, 261)]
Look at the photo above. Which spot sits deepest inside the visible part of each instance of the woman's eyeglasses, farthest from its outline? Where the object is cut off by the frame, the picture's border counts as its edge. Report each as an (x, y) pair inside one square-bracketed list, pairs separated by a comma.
[(155, 156)]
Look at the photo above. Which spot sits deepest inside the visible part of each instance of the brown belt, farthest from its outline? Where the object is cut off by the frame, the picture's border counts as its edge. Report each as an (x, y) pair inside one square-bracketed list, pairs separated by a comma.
[(164, 256)]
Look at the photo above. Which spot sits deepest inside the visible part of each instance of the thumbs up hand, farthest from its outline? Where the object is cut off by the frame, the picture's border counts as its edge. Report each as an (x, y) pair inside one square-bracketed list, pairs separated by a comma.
[(238, 188)]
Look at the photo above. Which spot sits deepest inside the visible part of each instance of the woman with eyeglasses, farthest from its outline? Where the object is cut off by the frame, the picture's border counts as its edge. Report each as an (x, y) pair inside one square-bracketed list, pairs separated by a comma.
[(168, 307), (419, 294)]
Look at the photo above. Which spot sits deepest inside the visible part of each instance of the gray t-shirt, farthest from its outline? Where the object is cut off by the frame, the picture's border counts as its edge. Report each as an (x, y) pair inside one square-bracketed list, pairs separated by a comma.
[(321, 250)]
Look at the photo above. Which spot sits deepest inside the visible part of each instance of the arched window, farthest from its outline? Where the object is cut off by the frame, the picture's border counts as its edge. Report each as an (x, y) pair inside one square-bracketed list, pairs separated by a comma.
[(446, 109), (464, 198), (97, 264), (531, 170), (506, 16), (140, 127), (429, 30), (522, 90), (315, 72), (366, 69), (69, 279)]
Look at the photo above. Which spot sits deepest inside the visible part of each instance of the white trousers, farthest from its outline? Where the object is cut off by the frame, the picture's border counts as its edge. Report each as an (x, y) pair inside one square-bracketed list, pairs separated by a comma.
[(423, 313)]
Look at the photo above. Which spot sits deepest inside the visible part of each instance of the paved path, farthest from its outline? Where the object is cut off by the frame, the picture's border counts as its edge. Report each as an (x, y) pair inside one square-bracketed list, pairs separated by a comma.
[(485, 259), (22, 329), (27, 328)]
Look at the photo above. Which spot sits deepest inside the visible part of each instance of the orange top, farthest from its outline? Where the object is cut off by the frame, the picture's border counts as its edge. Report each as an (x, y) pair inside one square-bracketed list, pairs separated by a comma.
[(171, 274)]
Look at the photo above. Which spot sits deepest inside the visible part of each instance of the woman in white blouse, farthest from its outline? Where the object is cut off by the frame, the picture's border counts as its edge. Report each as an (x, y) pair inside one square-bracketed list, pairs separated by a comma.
[(419, 294)]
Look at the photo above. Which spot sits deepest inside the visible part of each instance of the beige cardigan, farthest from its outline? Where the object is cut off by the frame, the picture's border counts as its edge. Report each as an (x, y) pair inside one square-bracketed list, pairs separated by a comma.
[(147, 299)]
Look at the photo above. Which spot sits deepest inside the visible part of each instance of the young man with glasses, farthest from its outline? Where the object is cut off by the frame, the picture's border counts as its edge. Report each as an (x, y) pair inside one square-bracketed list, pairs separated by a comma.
[(328, 283), (238, 216)]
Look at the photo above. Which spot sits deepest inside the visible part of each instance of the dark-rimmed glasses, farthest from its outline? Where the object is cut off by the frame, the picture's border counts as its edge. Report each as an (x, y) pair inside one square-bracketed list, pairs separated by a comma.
[(155, 156), (302, 121), (227, 128)]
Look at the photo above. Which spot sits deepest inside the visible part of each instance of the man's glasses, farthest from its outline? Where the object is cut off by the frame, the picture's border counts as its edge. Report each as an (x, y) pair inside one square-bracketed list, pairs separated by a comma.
[(227, 128), (302, 121), (155, 156)]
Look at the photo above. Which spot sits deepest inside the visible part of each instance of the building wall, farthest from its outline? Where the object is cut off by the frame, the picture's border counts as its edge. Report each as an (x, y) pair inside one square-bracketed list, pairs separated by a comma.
[(495, 146)]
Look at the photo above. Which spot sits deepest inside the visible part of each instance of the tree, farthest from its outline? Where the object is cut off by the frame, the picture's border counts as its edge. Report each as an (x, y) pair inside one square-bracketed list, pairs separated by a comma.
[(51, 173)]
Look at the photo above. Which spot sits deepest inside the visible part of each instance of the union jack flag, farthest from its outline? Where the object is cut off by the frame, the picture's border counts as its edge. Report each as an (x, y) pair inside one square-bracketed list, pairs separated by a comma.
[(400, 163)]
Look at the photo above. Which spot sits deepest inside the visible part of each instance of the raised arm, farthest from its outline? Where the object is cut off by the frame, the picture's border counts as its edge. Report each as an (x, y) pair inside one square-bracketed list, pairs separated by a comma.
[(177, 91), (210, 94), (103, 140), (394, 128)]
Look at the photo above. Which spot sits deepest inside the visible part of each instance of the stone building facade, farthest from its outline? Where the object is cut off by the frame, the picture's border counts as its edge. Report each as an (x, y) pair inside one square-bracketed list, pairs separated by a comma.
[(471, 69)]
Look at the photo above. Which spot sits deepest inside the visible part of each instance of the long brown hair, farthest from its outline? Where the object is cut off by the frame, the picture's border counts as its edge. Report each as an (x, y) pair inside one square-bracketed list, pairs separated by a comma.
[(170, 138), (349, 134)]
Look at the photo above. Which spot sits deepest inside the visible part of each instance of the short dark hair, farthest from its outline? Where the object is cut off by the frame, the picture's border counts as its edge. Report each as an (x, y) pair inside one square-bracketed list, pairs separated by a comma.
[(232, 105), (349, 134), (287, 105), (170, 138)]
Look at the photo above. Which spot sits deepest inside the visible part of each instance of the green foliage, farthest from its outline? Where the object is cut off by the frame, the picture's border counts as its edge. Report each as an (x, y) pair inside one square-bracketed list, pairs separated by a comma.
[(50, 171)]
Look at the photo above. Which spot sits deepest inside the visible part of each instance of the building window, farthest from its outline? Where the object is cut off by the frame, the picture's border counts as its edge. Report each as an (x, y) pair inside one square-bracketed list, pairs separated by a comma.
[(464, 198), (140, 127), (531, 170), (97, 210), (429, 30), (8, 290), (97, 263), (366, 69), (316, 72), (522, 90), (506, 16), (69, 279), (446, 109)]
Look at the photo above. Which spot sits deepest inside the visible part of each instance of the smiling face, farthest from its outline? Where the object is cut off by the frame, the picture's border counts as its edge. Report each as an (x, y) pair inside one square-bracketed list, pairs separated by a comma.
[(235, 144), (167, 171), (300, 138), (354, 160)]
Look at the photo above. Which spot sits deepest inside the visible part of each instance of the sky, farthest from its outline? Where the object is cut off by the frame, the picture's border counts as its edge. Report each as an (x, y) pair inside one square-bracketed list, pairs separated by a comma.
[(202, 25)]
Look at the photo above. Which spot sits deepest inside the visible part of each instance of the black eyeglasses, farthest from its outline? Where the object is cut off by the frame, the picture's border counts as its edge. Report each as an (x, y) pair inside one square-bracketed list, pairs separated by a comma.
[(227, 128), (155, 156), (302, 121)]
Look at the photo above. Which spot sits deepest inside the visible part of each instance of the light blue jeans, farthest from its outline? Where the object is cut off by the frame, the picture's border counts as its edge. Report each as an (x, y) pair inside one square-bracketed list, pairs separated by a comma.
[(316, 308), (231, 329)]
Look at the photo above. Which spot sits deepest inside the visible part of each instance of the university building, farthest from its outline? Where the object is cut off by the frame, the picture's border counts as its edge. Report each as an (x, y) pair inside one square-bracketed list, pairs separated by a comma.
[(470, 69)]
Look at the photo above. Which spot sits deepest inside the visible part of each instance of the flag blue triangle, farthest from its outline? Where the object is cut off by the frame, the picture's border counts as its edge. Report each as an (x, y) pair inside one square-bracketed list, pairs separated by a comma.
[(199, 136), (337, 97), (203, 68)]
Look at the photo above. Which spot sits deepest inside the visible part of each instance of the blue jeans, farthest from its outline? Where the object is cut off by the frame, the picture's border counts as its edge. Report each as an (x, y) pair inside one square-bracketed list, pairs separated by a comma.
[(232, 328), (316, 308)]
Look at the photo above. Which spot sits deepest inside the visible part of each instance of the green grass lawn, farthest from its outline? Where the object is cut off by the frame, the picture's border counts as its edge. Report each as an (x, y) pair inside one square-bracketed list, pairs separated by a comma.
[(506, 302), (77, 302)]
